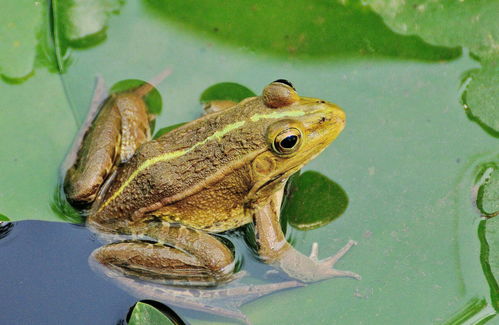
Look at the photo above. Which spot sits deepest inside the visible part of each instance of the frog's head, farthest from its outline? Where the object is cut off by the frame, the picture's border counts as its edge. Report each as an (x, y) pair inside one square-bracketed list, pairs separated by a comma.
[(300, 129)]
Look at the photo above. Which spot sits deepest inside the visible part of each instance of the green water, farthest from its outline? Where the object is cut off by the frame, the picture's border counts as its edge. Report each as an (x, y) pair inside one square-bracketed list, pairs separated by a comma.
[(407, 159)]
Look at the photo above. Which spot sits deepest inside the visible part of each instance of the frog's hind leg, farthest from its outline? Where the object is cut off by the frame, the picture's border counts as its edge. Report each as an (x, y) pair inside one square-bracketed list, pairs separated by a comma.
[(193, 257)]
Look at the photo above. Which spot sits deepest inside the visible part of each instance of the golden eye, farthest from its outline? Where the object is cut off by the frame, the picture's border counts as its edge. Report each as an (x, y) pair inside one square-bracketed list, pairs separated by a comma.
[(287, 141)]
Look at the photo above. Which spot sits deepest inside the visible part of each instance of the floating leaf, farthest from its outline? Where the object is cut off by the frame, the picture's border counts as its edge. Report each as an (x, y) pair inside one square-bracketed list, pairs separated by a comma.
[(226, 91), (482, 95), (20, 23), (301, 28), (145, 314), (167, 129), (488, 232), (314, 201)]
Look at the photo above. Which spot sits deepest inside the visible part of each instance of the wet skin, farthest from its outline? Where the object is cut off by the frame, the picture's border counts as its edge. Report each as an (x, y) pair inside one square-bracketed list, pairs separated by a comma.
[(216, 173)]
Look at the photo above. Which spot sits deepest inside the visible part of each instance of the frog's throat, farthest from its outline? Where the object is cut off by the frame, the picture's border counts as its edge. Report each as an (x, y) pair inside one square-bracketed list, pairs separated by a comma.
[(217, 135)]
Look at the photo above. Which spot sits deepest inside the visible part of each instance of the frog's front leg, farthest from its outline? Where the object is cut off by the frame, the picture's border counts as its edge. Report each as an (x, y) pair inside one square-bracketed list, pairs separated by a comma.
[(274, 249), (193, 257)]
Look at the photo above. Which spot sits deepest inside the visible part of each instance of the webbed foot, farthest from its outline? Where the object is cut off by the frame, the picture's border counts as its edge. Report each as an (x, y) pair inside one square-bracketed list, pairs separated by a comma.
[(310, 268)]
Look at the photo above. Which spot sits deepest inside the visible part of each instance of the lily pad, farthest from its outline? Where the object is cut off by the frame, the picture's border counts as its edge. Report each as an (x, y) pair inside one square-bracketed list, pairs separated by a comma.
[(299, 28), (488, 232), (39, 33), (314, 201), (145, 314), (481, 96), (226, 91), (20, 25)]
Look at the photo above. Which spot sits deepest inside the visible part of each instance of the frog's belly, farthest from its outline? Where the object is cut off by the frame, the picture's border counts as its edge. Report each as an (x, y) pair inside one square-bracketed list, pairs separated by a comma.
[(210, 220)]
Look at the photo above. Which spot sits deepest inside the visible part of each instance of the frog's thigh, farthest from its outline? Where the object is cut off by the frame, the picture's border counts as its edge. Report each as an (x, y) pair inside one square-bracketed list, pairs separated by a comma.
[(197, 258)]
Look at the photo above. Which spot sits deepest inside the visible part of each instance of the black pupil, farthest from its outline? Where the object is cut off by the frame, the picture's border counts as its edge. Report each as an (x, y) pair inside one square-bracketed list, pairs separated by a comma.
[(284, 81), (289, 141)]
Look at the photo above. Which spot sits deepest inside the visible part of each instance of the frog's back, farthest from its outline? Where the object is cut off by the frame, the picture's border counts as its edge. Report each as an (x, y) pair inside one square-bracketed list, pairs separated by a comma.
[(204, 160)]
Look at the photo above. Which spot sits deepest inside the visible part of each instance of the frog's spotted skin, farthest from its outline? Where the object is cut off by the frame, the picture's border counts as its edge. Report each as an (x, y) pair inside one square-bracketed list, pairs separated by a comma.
[(216, 173)]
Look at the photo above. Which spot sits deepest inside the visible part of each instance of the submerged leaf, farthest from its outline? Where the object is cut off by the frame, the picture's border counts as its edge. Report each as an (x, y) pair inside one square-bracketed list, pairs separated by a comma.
[(488, 193), (470, 24), (482, 95), (488, 232)]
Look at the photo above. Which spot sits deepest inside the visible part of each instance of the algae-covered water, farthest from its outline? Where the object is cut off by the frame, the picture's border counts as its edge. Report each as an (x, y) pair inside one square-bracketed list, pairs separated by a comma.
[(417, 79)]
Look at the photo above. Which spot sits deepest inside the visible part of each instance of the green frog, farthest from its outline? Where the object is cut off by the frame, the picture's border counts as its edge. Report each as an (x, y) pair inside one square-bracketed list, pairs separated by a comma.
[(170, 196)]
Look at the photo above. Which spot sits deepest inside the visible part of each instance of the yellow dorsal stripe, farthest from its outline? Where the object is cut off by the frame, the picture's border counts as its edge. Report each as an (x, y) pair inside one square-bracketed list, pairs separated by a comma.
[(174, 154)]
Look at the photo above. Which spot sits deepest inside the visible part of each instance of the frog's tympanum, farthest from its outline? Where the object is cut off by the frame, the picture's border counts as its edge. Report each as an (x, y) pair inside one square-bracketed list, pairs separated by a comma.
[(216, 173)]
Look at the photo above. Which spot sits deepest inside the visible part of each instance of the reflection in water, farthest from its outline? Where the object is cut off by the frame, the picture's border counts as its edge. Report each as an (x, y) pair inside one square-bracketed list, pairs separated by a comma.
[(220, 301), (5, 228), (306, 29)]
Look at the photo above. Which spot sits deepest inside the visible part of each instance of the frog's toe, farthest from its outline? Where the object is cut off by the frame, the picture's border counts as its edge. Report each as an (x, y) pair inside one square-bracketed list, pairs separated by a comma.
[(314, 252), (331, 261)]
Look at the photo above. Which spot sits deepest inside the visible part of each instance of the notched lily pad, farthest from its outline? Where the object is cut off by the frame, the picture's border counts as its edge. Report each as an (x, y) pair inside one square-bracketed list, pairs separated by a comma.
[(80, 24), (145, 314), (152, 99), (226, 91), (83, 22), (314, 201)]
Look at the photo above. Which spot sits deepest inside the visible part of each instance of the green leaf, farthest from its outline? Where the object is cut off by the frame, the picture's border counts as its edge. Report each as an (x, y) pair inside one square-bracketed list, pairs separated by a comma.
[(470, 24), (226, 91), (300, 28), (488, 233), (80, 24), (152, 99), (145, 314), (20, 23), (4, 218), (167, 129), (314, 201)]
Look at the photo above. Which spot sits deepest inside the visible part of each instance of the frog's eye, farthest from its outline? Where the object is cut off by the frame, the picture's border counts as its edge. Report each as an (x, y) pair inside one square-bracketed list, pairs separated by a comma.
[(286, 82), (280, 93), (287, 141)]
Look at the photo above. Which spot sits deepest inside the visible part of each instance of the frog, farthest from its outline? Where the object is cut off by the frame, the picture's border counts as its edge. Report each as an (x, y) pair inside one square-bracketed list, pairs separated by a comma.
[(168, 198)]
